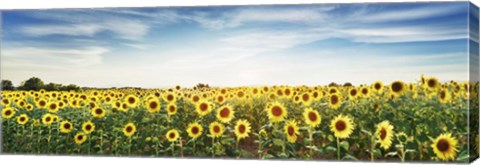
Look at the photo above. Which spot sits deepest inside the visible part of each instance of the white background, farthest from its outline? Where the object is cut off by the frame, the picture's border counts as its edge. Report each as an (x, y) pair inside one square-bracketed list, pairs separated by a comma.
[(46, 4)]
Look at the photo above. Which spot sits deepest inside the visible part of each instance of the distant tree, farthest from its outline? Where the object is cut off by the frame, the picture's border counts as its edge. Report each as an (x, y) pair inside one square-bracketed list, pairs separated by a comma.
[(33, 83), (332, 84), (347, 84), (53, 87), (7, 85), (201, 85), (72, 87)]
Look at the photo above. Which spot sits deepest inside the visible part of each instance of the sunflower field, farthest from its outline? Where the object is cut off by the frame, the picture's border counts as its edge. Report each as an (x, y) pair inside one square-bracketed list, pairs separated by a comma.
[(427, 120)]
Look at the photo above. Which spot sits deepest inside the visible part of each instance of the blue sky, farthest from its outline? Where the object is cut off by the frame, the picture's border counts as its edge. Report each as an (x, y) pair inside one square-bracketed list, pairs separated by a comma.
[(237, 45)]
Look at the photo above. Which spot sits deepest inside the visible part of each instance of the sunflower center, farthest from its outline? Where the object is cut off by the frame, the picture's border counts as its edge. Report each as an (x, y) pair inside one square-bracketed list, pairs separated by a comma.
[(364, 91), (397, 87), (376, 106), (305, 97), (88, 127), (129, 129), (334, 99), (443, 145), (290, 130), (196, 98), (42, 103), (204, 107), (170, 97), (287, 92), (340, 125), (383, 134), (315, 94), (8, 113), (312, 116), (377, 86), (171, 109), (353, 92), (225, 112), (48, 119), (5, 101), (171, 135), (442, 95), (79, 137), (131, 100), (67, 126), (220, 99), (431, 83), (240, 94), (195, 130), (241, 129), (276, 111), (98, 111), (216, 129), (22, 119), (153, 105)]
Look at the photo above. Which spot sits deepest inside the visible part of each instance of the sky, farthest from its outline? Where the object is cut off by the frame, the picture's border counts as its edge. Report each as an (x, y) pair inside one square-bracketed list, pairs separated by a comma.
[(237, 45)]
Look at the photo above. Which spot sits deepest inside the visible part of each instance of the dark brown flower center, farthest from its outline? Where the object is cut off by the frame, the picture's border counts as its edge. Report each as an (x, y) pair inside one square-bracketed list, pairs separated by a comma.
[(225, 112), (432, 83), (287, 92), (129, 129), (196, 98), (42, 103), (340, 125), (195, 130), (442, 95), (131, 100), (88, 127), (334, 99), (397, 87), (67, 125), (312, 116), (98, 111), (443, 145), (48, 119), (216, 129), (240, 94), (22, 119), (277, 111), (80, 137), (171, 135), (241, 128), (171, 108), (8, 112), (203, 107), (291, 130), (153, 105), (353, 92), (377, 86), (306, 97), (365, 91), (170, 97), (383, 134)]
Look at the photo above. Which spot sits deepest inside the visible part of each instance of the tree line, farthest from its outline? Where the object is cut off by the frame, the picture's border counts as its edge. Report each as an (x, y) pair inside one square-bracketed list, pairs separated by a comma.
[(37, 84)]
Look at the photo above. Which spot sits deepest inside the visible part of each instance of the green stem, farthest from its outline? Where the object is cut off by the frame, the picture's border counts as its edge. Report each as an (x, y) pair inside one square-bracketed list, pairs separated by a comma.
[(310, 137), (194, 147), (173, 149), (49, 137), (181, 147), (213, 149), (130, 146), (372, 148), (338, 148), (238, 149)]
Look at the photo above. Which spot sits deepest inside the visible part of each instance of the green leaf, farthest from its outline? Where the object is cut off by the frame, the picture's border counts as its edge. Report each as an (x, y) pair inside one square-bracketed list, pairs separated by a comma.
[(463, 156), (377, 153), (410, 150), (344, 145), (349, 157), (330, 148), (268, 156), (278, 142), (330, 138), (391, 154), (367, 132)]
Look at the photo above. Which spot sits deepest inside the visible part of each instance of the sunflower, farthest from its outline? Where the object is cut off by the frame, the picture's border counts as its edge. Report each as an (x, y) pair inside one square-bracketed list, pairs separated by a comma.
[(276, 112), (334, 101), (242, 129), (306, 99), (129, 129), (342, 126), (66, 127), (445, 146), (203, 108), (80, 138), (153, 105), (353, 93), (98, 112), (384, 134), (377, 86), (41, 103), (8, 113), (22, 119), (216, 129), (29, 107), (432, 84), (291, 130), (88, 127), (311, 117), (47, 119), (131, 100), (52, 107), (172, 135), (225, 114), (397, 87), (172, 109), (444, 96), (169, 97), (194, 130)]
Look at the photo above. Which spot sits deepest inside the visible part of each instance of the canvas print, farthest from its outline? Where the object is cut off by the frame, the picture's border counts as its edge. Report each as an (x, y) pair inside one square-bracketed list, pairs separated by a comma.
[(382, 82)]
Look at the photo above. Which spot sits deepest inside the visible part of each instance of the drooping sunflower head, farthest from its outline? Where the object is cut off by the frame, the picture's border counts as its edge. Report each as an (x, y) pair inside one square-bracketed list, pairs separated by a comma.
[(445, 146), (342, 126), (216, 129), (334, 101), (98, 112), (66, 127), (397, 87), (171, 109), (153, 105), (129, 129), (80, 138), (172, 135), (384, 134), (225, 113), (276, 112), (291, 129), (312, 117), (22, 119), (88, 127), (8, 113), (203, 107), (242, 129), (194, 130)]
